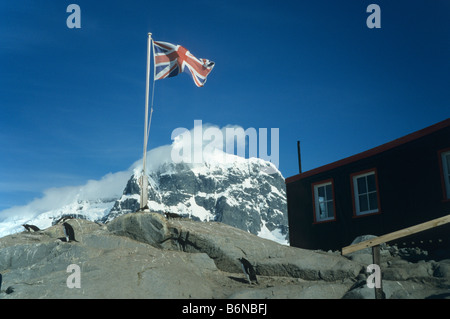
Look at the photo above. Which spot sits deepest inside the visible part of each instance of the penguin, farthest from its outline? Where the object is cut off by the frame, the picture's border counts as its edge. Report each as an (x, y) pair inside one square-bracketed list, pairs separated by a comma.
[(172, 215), (248, 270), (30, 228), (8, 290), (69, 232)]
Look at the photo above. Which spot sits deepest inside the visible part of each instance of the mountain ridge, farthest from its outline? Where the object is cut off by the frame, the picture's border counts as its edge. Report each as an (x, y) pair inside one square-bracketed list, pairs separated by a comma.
[(241, 194)]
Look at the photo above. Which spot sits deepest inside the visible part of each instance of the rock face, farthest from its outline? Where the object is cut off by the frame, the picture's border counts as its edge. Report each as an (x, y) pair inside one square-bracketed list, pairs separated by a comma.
[(225, 244), (144, 255), (239, 194)]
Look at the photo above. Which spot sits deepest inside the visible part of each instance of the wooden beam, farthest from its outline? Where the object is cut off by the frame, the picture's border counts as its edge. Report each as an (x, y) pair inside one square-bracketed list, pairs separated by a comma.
[(397, 234), (376, 257)]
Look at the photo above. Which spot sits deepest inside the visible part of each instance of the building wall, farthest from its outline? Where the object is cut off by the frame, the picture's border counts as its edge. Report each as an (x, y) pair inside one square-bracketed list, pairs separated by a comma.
[(410, 192)]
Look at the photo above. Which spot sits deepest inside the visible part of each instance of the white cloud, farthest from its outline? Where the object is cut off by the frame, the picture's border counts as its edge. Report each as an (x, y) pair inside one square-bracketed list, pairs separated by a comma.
[(109, 186)]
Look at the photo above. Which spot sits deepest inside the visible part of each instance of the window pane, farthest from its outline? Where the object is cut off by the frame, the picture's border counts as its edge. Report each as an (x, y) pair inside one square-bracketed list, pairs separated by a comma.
[(321, 193), (363, 203), (328, 190), (371, 187), (373, 203), (323, 210), (361, 185), (330, 209)]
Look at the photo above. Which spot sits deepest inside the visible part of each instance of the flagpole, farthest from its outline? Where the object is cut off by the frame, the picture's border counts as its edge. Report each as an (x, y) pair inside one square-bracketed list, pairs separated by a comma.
[(144, 178)]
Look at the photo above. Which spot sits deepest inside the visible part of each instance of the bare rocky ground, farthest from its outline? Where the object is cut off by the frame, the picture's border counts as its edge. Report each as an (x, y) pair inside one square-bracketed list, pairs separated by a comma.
[(144, 255)]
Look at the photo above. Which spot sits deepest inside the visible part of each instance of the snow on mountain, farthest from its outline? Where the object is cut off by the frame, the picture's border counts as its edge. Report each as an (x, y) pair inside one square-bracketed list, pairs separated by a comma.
[(91, 201), (223, 187), (237, 192)]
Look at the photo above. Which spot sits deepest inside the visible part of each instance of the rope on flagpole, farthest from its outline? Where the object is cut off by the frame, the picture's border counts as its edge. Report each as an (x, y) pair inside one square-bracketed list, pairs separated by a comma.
[(153, 92), (151, 108)]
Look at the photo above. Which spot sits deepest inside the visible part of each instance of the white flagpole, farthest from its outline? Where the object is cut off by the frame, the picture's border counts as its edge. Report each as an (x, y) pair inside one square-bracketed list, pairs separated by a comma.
[(144, 179)]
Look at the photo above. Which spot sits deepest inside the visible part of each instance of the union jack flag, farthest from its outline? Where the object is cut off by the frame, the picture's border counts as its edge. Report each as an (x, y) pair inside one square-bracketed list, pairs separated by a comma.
[(170, 60)]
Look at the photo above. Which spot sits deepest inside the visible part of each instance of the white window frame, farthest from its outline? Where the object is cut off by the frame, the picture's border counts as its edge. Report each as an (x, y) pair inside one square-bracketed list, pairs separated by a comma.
[(356, 193), (445, 158), (318, 218)]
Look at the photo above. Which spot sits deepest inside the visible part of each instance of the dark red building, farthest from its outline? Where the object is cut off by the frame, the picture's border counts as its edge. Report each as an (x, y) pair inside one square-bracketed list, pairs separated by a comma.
[(390, 187)]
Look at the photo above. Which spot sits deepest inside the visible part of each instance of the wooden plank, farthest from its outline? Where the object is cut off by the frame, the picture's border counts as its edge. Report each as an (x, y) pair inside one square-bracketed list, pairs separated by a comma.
[(376, 257), (396, 235)]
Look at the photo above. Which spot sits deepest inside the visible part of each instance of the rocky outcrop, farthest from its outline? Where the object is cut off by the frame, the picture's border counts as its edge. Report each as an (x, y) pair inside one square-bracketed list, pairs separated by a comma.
[(144, 255), (35, 266), (225, 244)]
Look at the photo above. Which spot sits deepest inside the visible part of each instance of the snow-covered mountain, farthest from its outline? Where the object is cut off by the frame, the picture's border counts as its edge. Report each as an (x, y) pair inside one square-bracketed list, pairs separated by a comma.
[(223, 187), (239, 193)]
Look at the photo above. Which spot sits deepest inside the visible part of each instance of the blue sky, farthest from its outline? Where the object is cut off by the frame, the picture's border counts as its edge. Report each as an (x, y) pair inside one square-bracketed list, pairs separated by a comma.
[(72, 100)]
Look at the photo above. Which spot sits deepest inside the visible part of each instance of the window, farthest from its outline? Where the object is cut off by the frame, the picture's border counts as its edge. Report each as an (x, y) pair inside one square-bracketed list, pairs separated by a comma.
[(445, 163), (323, 201), (365, 193)]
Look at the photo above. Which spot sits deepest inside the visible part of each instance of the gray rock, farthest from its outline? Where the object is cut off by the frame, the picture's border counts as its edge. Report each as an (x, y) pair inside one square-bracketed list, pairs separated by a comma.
[(301, 290), (398, 290), (362, 258), (442, 269), (225, 244), (143, 255), (418, 271), (111, 267), (150, 228)]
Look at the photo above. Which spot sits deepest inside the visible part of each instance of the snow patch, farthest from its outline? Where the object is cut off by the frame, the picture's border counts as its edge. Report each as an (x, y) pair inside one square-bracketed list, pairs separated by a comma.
[(274, 235)]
